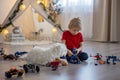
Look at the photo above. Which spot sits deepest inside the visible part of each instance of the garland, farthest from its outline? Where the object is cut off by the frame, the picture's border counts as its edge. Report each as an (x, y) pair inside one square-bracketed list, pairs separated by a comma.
[(53, 11), (12, 16)]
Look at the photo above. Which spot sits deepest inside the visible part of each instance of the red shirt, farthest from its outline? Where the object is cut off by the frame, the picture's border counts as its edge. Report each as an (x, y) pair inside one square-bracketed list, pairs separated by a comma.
[(72, 41)]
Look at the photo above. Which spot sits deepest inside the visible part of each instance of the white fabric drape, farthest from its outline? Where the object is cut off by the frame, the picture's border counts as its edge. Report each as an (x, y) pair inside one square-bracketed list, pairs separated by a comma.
[(78, 8), (105, 21), (5, 7), (19, 13), (118, 17)]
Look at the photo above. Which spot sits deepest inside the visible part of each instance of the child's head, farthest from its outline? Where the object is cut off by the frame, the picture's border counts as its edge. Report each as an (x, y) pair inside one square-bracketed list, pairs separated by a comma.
[(74, 26)]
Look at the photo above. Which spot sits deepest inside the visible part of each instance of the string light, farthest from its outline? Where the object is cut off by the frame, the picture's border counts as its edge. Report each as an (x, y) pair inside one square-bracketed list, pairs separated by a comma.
[(38, 1), (54, 29), (22, 7), (5, 32)]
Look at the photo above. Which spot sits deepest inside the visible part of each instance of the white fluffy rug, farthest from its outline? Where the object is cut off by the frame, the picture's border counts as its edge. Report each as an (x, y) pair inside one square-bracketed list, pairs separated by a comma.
[(46, 53)]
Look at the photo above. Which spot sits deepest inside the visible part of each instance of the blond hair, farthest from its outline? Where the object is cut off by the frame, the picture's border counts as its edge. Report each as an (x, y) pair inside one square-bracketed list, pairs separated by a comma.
[(75, 23)]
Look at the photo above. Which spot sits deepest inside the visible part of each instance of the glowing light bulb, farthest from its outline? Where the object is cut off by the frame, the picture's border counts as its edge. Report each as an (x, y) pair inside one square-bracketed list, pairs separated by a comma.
[(22, 7), (38, 1), (5, 32), (54, 29)]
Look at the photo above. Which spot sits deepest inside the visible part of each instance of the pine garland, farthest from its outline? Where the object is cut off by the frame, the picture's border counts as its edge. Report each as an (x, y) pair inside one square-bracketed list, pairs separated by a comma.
[(12, 17), (52, 13)]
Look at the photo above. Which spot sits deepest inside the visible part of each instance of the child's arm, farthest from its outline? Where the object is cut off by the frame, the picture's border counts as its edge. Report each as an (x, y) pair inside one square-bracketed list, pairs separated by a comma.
[(80, 48), (69, 53)]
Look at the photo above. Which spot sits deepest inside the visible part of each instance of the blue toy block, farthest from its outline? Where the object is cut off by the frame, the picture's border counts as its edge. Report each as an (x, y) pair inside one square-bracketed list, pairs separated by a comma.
[(17, 54), (74, 58), (114, 59)]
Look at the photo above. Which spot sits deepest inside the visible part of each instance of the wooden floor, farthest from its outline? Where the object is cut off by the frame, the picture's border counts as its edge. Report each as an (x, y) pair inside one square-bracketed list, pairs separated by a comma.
[(84, 71)]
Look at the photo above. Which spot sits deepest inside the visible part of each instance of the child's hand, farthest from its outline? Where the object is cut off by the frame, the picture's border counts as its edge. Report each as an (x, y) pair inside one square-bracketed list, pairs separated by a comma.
[(69, 53), (78, 50)]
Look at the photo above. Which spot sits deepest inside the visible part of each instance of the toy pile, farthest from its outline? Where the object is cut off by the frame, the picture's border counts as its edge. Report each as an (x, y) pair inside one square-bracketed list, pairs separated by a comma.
[(99, 60), (54, 64), (14, 71), (19, 72), (115, 59), (11, 56), (74, 59), (31, 68)]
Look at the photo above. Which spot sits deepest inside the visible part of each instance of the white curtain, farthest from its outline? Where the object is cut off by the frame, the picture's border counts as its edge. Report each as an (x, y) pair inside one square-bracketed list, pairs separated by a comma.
[(105, 26), (78, 8)]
